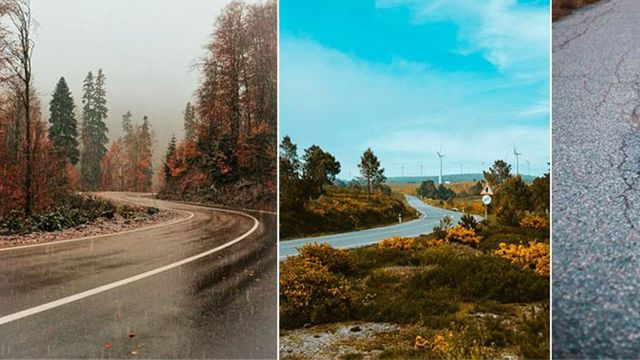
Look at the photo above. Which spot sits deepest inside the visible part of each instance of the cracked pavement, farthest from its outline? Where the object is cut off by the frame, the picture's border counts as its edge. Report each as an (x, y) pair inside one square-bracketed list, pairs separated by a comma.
[(596, 170)]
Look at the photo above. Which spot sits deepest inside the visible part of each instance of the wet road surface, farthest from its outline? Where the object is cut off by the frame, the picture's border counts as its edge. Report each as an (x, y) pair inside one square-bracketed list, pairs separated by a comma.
[(596, 193), (429, 217), (219, 304)]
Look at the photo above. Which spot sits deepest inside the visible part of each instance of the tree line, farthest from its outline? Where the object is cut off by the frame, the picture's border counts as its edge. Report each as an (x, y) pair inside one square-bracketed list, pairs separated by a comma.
[(513, 197), (230, 130), (40, 161), (229, 147), (303, 179)]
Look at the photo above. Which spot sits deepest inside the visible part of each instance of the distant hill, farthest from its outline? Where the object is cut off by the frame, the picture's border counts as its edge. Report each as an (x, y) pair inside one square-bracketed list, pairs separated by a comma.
[(450, 178)]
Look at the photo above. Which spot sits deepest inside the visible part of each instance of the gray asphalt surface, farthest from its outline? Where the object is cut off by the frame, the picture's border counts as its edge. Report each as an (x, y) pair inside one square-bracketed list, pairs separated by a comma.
[(220, 306), (596, 194), (429, 217)]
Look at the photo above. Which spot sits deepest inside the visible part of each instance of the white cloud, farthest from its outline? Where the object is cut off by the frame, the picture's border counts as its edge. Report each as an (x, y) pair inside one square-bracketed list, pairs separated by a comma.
[(513, 37), (405, 111)]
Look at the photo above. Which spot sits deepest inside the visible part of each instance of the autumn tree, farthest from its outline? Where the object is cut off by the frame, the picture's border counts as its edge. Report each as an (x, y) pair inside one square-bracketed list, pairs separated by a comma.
[(113, 167), (130, 157), (17, 51), (94, 131), (371, 171), (63, 130), (233, 144)]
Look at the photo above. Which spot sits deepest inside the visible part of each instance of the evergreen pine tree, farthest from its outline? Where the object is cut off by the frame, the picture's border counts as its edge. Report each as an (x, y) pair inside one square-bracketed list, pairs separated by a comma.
[(94, 130), (189, 121), (63, 131), (146, 142), (171, 150)]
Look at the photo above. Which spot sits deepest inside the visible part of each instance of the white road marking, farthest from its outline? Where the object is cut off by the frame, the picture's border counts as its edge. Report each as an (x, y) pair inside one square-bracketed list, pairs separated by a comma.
[(103, 288)]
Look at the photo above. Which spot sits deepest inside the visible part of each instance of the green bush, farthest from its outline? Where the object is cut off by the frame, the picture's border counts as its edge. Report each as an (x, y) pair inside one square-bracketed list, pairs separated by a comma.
[(72, 210), (469, 221), (533, 338), (14, 223), (389, 298), (484, 277)]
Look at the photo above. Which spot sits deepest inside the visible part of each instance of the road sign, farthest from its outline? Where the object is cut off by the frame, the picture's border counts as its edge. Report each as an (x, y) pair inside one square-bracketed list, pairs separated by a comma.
[(486, 190), (486, 199)]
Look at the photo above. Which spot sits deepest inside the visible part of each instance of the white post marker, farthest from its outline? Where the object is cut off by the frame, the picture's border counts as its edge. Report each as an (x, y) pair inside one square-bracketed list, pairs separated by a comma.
[(486, 198), (400, 218)]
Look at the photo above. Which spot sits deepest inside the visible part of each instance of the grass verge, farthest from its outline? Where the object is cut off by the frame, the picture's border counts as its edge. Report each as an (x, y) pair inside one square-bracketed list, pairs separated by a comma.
[(343, 210)]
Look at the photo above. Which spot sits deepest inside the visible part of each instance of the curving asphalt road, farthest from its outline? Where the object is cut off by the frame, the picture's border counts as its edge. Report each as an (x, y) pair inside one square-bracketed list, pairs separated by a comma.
[(429, 217), (596, 192), (204, 287)]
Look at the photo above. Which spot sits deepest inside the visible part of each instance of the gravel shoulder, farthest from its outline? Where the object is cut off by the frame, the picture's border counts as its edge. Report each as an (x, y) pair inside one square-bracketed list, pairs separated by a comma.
[(334, 341), (100, 227)]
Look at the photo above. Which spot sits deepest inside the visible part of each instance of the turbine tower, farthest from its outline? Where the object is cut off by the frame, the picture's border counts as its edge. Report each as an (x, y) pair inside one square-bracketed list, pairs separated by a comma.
[(440, 155), (528, 167), (517, 154)]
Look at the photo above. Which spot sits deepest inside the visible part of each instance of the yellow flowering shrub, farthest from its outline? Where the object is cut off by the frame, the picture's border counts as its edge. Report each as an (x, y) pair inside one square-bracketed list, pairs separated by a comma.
[(337, 260), (462, 235), (534, 221), (310, 293), (398, 242), (435, 242), (534, 256)]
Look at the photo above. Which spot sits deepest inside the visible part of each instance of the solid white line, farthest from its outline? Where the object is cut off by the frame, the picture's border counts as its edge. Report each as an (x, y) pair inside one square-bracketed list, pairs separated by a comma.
[(84, 294), (54, 242)]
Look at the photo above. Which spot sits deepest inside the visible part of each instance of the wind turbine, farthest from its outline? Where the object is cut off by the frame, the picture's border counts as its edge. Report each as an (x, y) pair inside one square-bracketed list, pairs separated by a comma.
[(528, 167), (421, 169), (402, 170), (517, 154), (440, 155)]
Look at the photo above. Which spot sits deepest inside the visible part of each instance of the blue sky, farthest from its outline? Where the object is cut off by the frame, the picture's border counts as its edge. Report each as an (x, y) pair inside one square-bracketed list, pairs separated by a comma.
[(410, 77)]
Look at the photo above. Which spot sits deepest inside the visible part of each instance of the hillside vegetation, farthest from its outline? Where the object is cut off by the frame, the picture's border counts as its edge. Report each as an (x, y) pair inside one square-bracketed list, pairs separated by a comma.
[(314, 202), (342, 210), (467, 291)]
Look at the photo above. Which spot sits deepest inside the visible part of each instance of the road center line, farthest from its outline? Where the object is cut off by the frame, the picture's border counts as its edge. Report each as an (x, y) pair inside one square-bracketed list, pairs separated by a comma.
[(103, 288)]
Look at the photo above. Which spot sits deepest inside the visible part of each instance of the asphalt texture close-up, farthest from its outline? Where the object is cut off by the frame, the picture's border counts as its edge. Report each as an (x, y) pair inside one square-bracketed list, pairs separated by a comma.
[(203, 287), (429, 217), (596, 193)]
